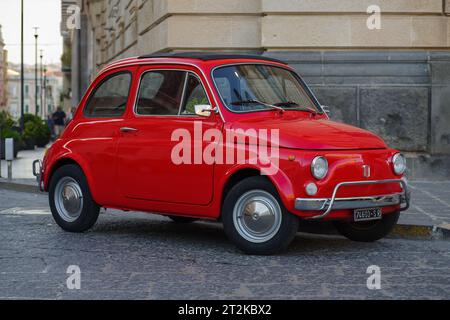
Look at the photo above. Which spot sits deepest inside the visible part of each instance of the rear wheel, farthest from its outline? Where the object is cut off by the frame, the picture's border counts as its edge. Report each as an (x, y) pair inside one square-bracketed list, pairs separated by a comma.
[(70, 199), (255, 219), (181, 220), (368, 231)]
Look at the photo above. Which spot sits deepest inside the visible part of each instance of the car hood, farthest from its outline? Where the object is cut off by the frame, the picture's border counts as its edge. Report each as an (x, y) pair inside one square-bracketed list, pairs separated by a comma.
[(314, 134)]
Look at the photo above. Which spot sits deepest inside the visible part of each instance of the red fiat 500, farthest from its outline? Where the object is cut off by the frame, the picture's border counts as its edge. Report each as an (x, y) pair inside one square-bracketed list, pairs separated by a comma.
[(240, 139)]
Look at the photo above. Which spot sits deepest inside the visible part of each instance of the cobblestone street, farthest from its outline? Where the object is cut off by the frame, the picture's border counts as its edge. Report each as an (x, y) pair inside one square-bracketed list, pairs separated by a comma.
[(430, 203), (139, 256)]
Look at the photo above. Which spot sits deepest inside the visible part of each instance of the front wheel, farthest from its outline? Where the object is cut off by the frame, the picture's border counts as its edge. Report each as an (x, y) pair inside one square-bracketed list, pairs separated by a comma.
[(368, 231), (255, 219), (70, 199)]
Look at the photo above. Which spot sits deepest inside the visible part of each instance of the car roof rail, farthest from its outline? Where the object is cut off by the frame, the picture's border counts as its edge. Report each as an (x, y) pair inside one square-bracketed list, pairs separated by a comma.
[(206, 56)]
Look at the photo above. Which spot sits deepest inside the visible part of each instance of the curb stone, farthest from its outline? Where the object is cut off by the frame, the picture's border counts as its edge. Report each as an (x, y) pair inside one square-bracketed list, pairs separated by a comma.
[(13, 186), (441, 232)]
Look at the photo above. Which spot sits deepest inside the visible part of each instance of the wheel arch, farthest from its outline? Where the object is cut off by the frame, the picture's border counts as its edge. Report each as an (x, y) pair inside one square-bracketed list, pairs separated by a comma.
[(66, 160), (280, 181)]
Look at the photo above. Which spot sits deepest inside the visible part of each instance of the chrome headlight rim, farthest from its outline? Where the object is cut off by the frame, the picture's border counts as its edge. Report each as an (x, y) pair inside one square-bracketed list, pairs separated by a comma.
[(399, 157), (317, 162)]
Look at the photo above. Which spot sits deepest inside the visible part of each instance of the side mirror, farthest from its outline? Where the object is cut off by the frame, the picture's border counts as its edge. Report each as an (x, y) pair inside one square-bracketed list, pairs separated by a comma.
[(326, 109), (203, 110)]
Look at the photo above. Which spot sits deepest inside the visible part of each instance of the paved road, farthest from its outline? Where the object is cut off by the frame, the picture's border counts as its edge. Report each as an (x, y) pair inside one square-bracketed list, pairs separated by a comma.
[(138, 256)]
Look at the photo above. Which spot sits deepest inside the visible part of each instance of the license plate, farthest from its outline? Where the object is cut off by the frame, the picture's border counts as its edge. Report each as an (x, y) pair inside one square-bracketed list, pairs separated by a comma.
[(367, 214)]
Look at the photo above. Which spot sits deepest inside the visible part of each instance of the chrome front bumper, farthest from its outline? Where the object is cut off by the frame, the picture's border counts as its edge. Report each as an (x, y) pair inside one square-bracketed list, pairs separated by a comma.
[(326, 205), (37, 172), (37, 169)]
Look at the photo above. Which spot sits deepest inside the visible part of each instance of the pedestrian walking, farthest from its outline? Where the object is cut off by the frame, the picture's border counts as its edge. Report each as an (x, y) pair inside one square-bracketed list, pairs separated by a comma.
[(51, 126), (59, 118)]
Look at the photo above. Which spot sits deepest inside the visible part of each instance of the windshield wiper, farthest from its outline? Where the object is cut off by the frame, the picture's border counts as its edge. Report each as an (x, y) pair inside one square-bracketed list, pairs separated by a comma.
[(254, 101), (295, 104)]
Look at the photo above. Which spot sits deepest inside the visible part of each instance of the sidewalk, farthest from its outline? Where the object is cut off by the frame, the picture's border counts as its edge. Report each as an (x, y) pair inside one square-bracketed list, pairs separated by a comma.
[(430, 203), (428, 215), (22, 166)]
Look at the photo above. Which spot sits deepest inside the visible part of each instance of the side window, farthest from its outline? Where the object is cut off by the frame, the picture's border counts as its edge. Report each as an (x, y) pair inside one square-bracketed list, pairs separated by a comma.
[(160, 92), (110, 97), (194, 94)]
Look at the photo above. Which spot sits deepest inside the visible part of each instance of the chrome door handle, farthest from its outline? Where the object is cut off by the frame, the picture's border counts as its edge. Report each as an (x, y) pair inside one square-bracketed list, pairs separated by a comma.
[(127, 129)]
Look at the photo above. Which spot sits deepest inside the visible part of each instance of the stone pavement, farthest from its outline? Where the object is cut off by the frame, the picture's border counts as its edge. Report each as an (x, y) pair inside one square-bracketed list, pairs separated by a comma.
[(430, 200), (430, 203), (140, 256)]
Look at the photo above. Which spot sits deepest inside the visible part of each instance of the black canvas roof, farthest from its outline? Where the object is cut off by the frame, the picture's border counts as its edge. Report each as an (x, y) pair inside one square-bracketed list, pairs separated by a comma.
[(205, 56)]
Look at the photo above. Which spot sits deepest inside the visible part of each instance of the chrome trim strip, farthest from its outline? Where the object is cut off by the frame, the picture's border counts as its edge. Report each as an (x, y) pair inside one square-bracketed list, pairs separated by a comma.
[(349, 203), (183, 97), (335, 203)]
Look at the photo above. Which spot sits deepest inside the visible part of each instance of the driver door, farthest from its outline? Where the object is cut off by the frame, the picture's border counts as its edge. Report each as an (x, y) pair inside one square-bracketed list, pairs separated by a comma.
[(165, 103)]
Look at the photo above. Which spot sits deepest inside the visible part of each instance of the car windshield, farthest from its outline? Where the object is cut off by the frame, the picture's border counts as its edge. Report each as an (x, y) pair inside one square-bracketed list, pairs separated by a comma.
[(253, 87)]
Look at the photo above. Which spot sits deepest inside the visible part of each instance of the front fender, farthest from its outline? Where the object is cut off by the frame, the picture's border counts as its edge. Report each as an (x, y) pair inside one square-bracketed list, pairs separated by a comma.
[(279, 179)]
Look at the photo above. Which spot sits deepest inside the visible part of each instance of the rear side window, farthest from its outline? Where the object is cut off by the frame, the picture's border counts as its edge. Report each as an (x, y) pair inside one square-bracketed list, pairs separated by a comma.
[(161, 92), (110, 97)]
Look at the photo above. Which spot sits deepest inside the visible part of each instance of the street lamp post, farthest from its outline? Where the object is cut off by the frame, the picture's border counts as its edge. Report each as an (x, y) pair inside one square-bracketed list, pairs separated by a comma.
[(22, 80), (42, 88), (45, 85), (36, 72)]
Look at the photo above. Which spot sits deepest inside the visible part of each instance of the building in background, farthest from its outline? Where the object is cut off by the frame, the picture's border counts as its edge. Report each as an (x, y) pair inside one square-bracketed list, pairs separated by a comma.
[(53, 90), (51, 94), (68, 37), (394, 81), (3, 73)]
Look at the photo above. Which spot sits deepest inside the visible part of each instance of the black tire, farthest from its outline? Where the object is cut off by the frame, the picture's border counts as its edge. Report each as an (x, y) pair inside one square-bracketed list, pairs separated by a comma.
[(89, 211), (369, 231), (288, 226), (181, 220)]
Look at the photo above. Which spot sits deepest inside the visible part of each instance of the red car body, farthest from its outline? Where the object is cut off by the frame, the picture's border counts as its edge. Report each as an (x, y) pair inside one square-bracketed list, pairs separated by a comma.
[(132, 170)]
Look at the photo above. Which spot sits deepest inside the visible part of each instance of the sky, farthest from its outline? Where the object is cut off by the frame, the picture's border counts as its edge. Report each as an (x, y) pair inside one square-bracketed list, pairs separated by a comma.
[(45, 14)]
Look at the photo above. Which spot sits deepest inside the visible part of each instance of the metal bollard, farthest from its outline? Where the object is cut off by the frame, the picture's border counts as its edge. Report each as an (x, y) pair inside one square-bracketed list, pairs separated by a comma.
[(9, 155)]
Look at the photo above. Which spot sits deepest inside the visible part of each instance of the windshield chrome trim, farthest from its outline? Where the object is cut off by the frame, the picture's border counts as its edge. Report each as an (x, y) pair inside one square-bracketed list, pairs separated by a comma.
[(303, 83)]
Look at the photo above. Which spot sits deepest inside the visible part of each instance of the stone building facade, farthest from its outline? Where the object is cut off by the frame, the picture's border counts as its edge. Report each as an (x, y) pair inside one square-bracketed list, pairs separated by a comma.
[(394, 81)]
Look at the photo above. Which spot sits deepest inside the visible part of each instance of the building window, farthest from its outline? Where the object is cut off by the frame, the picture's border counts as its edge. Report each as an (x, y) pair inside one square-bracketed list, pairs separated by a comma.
[(26, 108)]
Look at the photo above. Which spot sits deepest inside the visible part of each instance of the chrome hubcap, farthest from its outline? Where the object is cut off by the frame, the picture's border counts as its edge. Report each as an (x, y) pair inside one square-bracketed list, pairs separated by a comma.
[(68, 199), (257, 216)]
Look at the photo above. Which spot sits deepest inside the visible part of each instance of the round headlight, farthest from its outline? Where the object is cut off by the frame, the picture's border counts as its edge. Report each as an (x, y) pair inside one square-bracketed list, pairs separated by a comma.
[(319, 167), (399, 163)]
